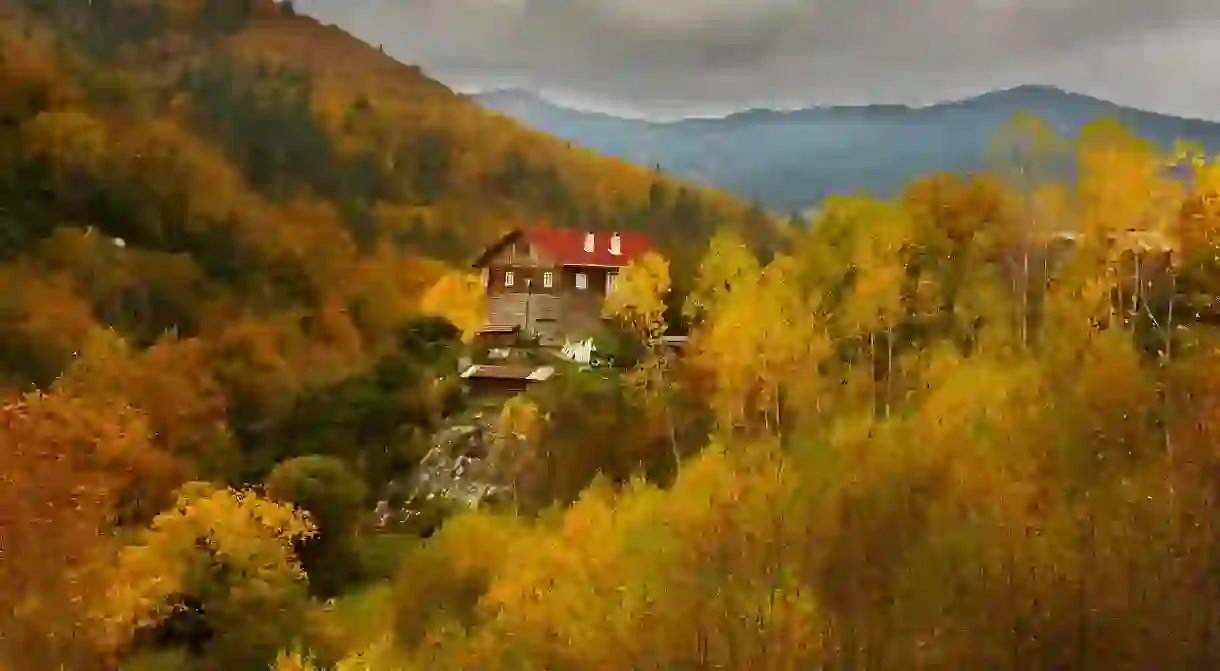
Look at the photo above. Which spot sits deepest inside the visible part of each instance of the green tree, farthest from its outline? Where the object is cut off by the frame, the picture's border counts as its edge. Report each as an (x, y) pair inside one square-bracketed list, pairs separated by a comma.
[(335, 498), (224, 557)]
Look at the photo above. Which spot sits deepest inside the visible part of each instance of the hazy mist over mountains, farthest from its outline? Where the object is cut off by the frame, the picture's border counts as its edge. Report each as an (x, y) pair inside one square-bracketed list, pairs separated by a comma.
[(790, 160)]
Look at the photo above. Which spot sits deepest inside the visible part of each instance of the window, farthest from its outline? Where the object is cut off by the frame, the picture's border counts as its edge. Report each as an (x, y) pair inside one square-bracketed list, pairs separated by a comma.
[(610, 278), (582, 282), (508, 278), (548, 279)]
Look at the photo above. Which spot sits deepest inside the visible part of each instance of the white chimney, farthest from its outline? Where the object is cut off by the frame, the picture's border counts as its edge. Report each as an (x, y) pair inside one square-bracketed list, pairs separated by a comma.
[(589, 242), (615, 245)]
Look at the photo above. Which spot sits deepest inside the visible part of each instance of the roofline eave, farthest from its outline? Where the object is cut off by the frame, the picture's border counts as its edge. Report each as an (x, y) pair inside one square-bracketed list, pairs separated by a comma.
[(494, 247)]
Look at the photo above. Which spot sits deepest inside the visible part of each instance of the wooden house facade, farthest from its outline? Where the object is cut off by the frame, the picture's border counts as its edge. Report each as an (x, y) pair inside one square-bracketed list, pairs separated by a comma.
[(551, 282)]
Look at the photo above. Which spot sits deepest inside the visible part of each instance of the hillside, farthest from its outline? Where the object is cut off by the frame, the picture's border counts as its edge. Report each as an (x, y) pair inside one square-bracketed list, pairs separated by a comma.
[(258, 160), (792, 160), (264, 200), (297, 105)]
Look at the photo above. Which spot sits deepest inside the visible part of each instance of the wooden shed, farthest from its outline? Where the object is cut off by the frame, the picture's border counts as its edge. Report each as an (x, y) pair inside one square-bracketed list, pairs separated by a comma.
[(501, 381)]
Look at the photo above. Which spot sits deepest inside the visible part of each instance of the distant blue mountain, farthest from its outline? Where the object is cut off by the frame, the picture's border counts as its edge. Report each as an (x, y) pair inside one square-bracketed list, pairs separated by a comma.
[(788, 161)]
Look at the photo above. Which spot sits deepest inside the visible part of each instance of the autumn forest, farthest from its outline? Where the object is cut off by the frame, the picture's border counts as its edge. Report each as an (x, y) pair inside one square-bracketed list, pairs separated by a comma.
[(973, 427)]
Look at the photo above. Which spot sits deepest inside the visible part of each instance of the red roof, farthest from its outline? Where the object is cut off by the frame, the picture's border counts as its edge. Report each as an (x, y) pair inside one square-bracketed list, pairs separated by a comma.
[(567, 246)]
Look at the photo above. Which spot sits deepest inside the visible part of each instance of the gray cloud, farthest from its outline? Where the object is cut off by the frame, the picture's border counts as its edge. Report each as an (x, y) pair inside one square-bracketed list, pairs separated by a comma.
[(678, 56)]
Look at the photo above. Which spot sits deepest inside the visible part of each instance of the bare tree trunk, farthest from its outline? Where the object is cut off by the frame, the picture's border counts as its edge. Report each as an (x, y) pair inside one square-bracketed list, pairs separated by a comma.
[(1025, 293), (1167, 358), (1137, 298), (1046, 287), (777, 408), (872, 369), (1173, 295), (889, 368), (1012, 287), (662, 383)]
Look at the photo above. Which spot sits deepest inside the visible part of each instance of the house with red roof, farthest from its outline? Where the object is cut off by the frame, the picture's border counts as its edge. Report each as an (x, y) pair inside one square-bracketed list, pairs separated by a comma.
[(551, 282)]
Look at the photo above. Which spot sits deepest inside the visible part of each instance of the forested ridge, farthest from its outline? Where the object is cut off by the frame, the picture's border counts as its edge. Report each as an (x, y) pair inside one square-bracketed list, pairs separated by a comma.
[(265, 105), (973, 427)]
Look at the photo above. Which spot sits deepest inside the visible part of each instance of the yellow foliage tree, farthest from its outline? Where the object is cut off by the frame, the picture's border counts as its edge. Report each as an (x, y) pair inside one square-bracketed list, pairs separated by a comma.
[(876, 304), (638, 298), (231, 551), (703, 575), (637, 304), (728, 264), (459, 298), (762, 339), (293, 660), (516, 438), (1123, 186)]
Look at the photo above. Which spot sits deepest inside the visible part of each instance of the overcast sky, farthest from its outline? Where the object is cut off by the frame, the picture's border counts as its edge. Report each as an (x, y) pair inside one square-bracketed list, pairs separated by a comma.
[(682, 57)]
